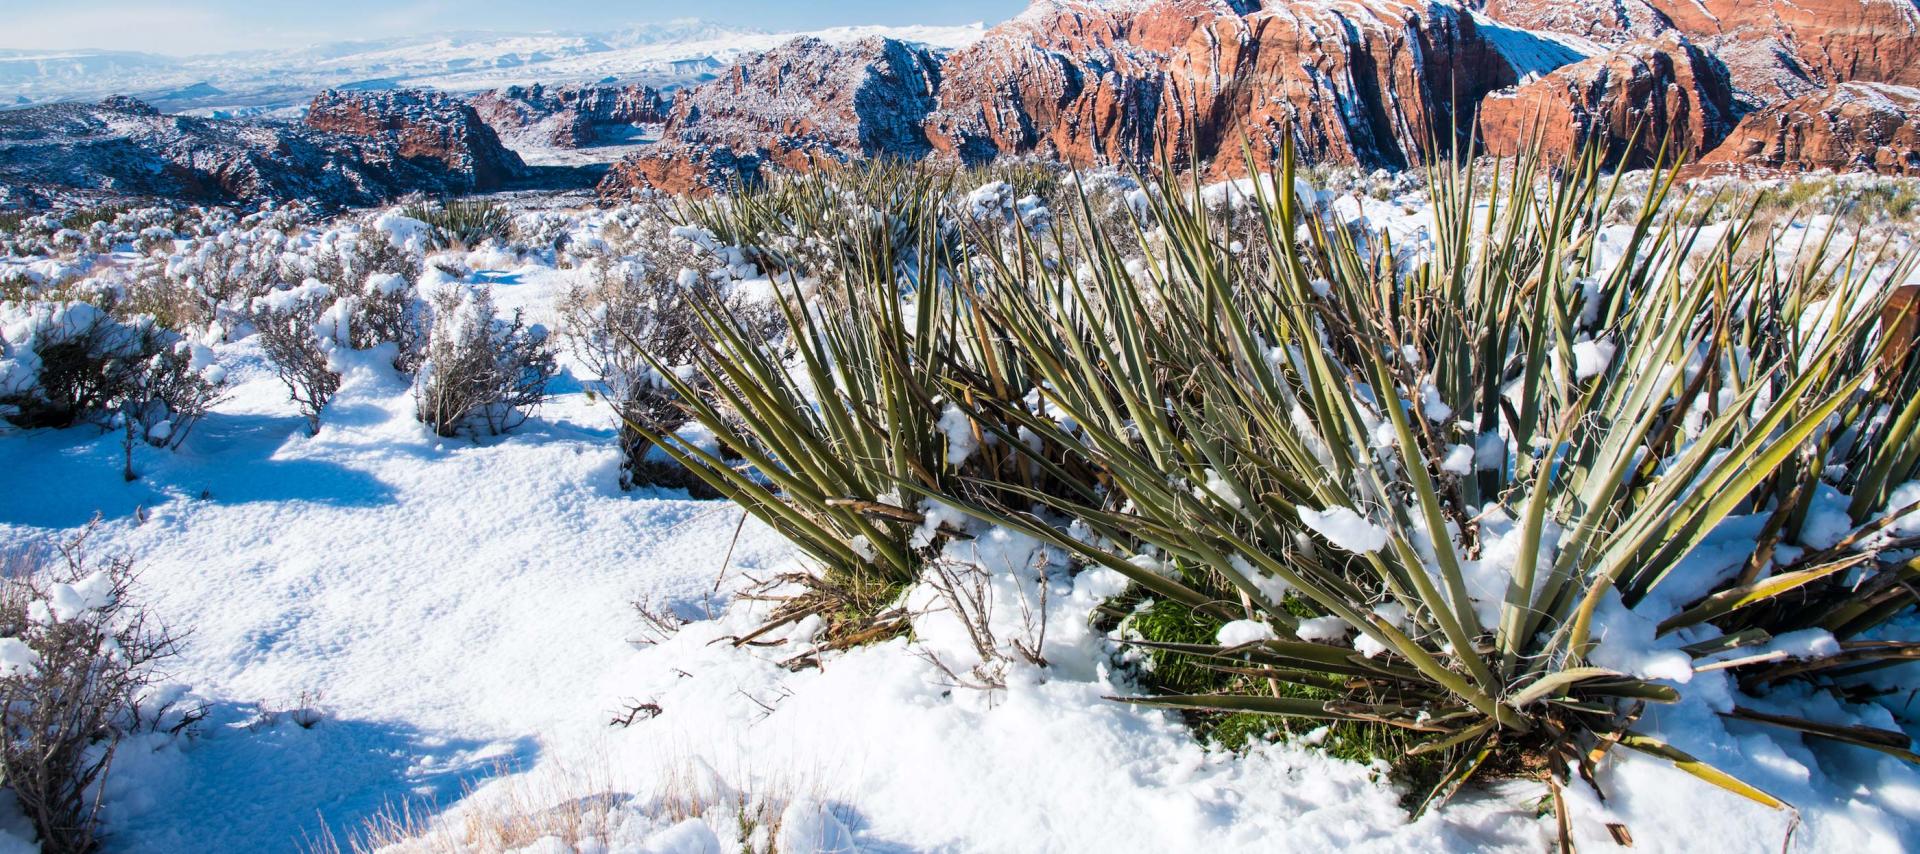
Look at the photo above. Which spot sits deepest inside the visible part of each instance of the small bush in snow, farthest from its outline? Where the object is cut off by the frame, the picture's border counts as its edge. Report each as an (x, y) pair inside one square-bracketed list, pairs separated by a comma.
[(302, 328), (65, 363), (390, 246), (288, 323), (481, 373), (631, 310), (77, 660)]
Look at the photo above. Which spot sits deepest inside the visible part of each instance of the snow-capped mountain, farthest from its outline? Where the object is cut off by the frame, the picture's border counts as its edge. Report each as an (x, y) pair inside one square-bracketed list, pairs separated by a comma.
[(666, 55)]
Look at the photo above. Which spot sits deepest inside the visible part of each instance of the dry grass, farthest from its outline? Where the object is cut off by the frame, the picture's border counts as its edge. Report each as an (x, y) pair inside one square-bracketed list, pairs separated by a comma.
[(515, 812), (583, 811)]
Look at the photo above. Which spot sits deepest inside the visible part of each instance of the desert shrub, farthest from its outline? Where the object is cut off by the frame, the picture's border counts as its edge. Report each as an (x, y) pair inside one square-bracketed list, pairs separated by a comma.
[(857, 410), (544, 231), (165, 397), (632, 310), (1394, 491), (463, 223), (287, 322), (78, 655), (204, 276), (350, 255), (387, 310), (883, 218), (587, 812), (302, 330), (85, 218), (66, 363), (482, 373)]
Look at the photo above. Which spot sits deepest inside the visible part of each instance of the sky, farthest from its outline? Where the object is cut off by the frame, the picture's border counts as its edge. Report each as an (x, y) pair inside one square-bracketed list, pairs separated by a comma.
[(205, 26)]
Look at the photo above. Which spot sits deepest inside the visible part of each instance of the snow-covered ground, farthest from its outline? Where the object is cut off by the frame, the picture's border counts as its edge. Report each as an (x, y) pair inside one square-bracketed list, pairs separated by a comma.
[(460, 618)]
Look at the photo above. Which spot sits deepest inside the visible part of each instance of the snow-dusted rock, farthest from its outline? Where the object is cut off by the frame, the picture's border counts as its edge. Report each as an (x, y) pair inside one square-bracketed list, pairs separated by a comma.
[(426, 126), (1663, 88), (1852, 127), (123, 147), (567, 116)]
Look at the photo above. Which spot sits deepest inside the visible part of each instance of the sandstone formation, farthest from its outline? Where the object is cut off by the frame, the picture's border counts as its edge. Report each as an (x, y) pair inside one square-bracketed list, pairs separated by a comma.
[(1851, 127), (802, 101), (1772, 49), (426, 127), (678, 169), (568, 116), (1647, 94), (1365, 82), (125, 148)]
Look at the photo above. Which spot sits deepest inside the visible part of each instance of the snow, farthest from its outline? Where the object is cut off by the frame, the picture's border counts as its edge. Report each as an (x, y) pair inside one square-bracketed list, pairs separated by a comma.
[(958, 428), (1627, 643), (1323, 629), (1534, 53), (1242, 632), (1489, 452), (1345, 529), (68, 601), (16, 658), (1591, 358), (455, 619)]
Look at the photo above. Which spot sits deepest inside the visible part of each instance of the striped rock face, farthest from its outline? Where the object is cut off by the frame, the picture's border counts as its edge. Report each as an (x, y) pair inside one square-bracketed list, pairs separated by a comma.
[(1772, 49), (1367, 83), (1647, 95), (1853, 127)]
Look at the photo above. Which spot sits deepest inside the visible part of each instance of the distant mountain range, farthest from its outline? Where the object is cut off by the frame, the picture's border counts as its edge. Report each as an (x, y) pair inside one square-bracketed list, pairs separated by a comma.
[(665, 56)]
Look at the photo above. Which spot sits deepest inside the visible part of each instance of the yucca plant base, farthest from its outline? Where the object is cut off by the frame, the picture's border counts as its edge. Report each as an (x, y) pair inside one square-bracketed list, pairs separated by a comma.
[(1479, 502)]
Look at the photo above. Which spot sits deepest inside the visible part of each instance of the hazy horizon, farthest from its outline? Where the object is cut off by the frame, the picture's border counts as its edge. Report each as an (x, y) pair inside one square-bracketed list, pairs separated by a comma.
[(222, 26)]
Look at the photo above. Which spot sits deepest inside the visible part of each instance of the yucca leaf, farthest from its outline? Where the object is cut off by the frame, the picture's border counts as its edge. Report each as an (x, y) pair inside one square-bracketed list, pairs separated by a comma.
[(1686, 762)]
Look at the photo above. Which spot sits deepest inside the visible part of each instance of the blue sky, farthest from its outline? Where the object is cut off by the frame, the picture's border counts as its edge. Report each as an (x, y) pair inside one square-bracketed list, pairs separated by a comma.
[(198, 26)]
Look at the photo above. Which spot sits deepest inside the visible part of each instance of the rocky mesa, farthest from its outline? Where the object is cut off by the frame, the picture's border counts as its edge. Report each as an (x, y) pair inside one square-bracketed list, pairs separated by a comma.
[(122, 147), (430, 129), (1372, 83)]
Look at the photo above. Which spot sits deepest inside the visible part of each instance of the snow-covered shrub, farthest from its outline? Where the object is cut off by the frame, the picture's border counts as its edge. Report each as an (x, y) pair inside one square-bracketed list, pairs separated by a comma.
[(287, 322), (63, 363), (165, 396), (630, 311), (482, 373), (547, 232), (692, 808), (880, 218), (355, 254), (387, 310), (868, 412), (302, 329), (210, 281), (78, 657)]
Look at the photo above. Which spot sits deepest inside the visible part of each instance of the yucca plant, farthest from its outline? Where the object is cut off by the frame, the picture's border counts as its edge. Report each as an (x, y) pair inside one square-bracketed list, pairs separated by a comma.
[(852, 403), (1398, 490), (462, 223), (1460, 456)]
